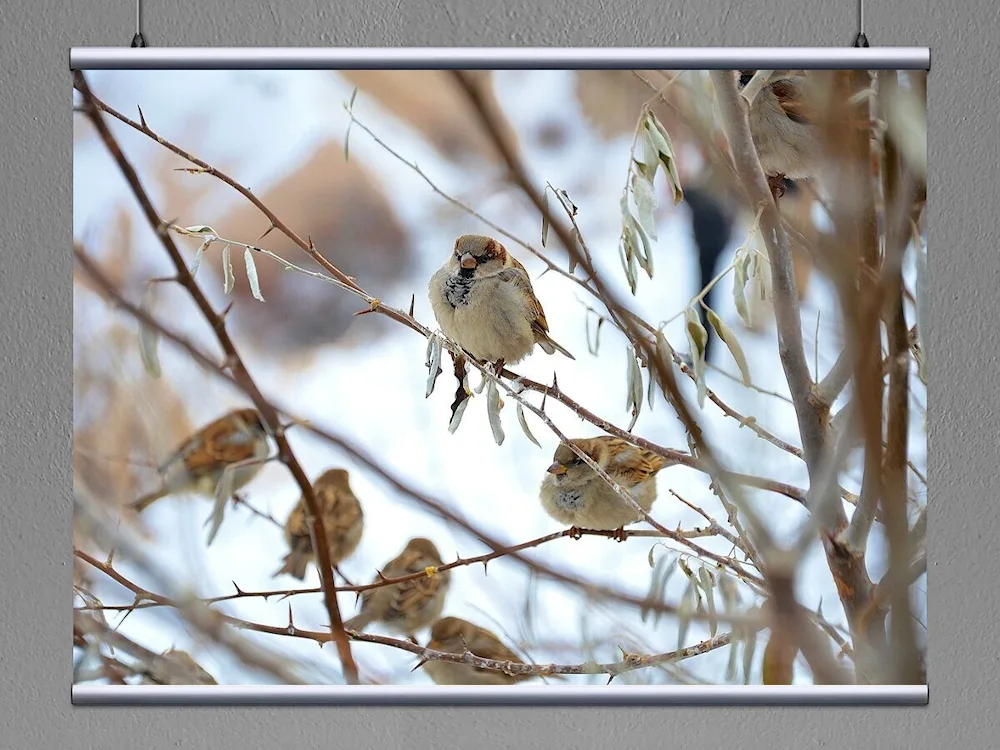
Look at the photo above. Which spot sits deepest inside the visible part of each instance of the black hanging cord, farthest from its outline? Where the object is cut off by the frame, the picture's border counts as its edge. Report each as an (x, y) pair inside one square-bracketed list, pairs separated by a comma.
[(138, 40), (860, 40)]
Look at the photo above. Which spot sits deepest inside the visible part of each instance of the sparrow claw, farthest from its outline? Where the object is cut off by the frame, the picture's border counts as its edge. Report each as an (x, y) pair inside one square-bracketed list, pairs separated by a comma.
[(575, 532), (620, 535)]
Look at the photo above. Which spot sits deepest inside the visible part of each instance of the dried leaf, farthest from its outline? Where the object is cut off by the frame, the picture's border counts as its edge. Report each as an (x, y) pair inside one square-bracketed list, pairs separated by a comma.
[(684, 612), (697, 339), (223, 491), (545, 220), (433, 362), (708, 586), (662, 572), (200, 229), (645, 203), (732, 663), (779, 661), (456, 417), (739, 286), (227, 270), (634, 400), (524, 425), (643, 248), (732, 343), (493, 406), (660, 138), (252, 275), (149, 337), (198, 255)]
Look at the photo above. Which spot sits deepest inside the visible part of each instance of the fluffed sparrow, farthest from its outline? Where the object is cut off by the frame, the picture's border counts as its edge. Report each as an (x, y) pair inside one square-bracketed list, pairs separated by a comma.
[(182, 659), (483, 300), (411, 605), (454, 636), (783, 126), (575, 494), (343, 520), (197, 464)]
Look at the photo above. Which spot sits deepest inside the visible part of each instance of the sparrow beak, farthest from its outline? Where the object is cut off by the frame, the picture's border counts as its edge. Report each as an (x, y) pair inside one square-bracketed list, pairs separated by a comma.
[(468, 261), (556, 468)]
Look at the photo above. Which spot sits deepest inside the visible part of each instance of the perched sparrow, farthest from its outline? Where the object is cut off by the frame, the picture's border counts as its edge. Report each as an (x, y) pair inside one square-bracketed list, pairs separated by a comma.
[(783, 126), (455, 636), (342, 517), (184, 660), (411, 605), (197, 464), (575, 494), (483, 300)]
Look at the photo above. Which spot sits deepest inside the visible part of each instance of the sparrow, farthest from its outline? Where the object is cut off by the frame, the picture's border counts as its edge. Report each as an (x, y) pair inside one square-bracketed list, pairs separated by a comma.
[(197, 464), (483, 300), (455, 636), (783, 125), (575, 494), (184, 660), (411, 605), (343, 520)]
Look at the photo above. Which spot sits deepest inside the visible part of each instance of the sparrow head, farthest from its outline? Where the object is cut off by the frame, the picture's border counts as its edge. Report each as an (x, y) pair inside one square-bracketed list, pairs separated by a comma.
[(567, 468), (476, 255), (448, 629), (422, 549), (335, 478)]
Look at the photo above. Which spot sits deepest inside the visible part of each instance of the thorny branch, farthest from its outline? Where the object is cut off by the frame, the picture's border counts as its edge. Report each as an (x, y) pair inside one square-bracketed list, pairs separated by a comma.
[(628, 663)]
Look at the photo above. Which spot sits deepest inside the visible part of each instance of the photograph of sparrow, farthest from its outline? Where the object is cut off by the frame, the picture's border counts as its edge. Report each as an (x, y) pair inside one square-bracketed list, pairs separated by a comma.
[(574, 494), (182, 659), (411, 605), (343, 520), (197, 464), (783, 127), (483, 300), (454, 636)]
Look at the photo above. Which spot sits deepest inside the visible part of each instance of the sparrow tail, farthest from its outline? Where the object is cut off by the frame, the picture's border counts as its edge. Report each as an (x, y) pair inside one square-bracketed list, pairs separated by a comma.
[(295, 564), (358, 622), (146, 500), (551, 347)]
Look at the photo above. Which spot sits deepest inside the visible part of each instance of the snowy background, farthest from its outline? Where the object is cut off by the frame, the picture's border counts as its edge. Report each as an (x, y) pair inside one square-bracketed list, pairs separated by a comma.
[(374, 394)]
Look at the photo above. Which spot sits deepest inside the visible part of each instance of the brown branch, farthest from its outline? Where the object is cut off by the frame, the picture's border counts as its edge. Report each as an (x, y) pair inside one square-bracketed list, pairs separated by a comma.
[(630, 662), (239, 371)]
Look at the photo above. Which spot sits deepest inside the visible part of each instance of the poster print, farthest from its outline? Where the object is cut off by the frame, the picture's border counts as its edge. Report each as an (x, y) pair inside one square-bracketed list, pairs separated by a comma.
[(515, 379)]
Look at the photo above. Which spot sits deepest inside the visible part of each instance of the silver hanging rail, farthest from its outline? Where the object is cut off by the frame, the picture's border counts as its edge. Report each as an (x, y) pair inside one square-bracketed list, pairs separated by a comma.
[(497, 58)]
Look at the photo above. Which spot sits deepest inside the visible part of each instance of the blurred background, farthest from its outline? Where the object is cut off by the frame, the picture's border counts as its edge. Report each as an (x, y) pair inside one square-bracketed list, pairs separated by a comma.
[(386, 223)]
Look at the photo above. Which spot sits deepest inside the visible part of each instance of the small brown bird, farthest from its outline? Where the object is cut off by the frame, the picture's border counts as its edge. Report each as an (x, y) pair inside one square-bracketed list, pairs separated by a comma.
[(197, 464), (411, 605), (483, 300), (783, 125), (343, 520), (573, 493), (454, 636), (182, 659)]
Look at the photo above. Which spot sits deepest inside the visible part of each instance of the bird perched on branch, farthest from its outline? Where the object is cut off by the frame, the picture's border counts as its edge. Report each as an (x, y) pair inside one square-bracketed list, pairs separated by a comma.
[(483, 300), (343, 521), (784, 125), (573, 493), (237, 441), (456, 636), (408, 606)]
